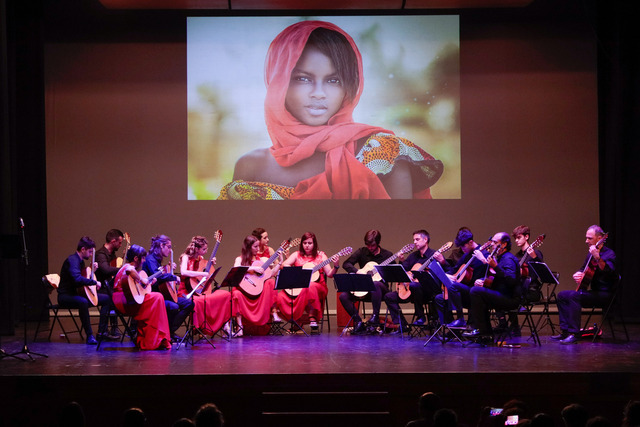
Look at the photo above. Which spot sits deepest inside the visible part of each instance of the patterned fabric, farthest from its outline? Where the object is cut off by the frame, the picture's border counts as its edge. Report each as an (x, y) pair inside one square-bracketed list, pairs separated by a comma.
[(379, 154)]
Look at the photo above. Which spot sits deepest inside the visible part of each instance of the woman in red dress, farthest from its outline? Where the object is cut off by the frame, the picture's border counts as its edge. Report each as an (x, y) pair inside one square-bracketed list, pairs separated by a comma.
[(255, 310), (151, 315), (310, 299), (211, 310)]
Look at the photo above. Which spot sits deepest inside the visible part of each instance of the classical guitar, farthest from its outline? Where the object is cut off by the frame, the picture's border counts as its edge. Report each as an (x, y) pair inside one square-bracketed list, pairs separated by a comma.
[(90, 291), (202, 285), (404, 291), (135, 291), (464, 276), (488, 279), (370, 267), (121, 260), (315, 270), (524, 269), (592, 265), (168, 289), (253, 284)]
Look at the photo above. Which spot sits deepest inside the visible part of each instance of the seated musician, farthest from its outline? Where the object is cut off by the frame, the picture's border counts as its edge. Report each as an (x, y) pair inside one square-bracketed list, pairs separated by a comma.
[(499, 290), (161, 248), (73, 279), (457, 251), (151, 315), (371, 252), (423, 290), (312, 298), (469, 268), (107, 269), (212, 310), (257, 310), (596, 282)]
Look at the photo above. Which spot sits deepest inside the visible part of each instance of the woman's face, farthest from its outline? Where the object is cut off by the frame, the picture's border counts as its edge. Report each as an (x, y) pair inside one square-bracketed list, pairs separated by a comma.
[(315, 91), (202, 251), (255, 247), (264, 240), (307, 246)]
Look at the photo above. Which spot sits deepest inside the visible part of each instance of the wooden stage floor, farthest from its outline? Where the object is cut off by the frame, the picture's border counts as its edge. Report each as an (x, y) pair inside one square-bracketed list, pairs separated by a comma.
[(319, 380)]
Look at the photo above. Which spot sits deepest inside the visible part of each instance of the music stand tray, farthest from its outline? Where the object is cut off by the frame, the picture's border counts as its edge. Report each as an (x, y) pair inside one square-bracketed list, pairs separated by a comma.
[(354, 282), (544, 273), (293, 277), (234, 276), (393, 273)]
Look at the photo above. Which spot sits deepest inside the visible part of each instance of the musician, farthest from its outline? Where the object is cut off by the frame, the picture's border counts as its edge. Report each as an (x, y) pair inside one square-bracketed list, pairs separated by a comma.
[(255, 310), (265, 250), (71, 293), (526, 253), (457, 252), (499, 289), (458, 293), (421, 291), (309, 299), (151, 316), (371, 252), (601, 263), (212, 310), (107, 269), (176, 312)]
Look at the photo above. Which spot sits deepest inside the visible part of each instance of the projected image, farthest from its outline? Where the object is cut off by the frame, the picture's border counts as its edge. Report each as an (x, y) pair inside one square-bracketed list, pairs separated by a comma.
[(323, 108)]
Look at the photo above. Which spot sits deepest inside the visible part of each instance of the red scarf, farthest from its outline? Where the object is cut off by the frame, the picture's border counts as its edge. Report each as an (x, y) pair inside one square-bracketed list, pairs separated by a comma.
[(344, 176)]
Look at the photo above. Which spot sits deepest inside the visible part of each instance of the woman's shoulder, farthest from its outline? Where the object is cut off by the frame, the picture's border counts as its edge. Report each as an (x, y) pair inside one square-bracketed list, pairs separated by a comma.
[(250, 163)]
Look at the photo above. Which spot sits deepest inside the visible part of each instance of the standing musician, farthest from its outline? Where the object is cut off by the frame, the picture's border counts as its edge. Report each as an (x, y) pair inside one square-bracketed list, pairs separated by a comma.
[(499, 290), (458, 293), (211, 310), (151, 315), (255, 310), (370, 252), (421, 291), (176, 312), (309, 299), (106, 271), (70, 291), (597, 272)]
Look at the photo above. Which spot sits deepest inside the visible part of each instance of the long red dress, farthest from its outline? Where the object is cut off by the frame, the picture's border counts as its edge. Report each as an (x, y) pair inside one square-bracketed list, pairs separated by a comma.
[(211, 311), (310, 298), (153, 324), (256, 311)]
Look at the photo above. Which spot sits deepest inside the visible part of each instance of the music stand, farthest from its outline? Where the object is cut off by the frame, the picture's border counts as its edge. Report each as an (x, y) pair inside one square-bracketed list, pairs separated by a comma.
[(546, 276), (437, 270), (294, 277), (232, 280), (394, 273), (353, 283), (201, 330)]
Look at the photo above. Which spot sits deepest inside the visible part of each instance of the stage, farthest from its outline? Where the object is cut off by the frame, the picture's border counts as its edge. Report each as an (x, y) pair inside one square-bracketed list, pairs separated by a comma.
[(325, 379)]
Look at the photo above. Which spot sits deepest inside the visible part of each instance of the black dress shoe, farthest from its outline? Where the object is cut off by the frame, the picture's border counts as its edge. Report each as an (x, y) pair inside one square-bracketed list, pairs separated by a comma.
[(359, 328), (91, 340), (570, 339), (420, 321), (374, 320), (474, 333), (562, 335), (460, 323)]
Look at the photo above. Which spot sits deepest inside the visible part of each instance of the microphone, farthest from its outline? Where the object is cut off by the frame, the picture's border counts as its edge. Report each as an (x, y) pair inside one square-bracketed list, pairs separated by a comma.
[(21, 223)]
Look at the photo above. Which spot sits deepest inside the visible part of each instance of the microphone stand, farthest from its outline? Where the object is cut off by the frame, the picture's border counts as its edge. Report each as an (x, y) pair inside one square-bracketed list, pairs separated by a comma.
[(25, 257)]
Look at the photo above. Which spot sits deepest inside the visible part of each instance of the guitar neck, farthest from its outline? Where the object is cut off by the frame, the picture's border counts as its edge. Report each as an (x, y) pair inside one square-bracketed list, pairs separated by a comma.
[(213, 255), (272, 258)]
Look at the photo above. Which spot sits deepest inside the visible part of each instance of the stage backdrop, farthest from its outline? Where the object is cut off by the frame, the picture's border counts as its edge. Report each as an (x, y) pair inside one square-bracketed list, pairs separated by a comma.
[(117, 146)]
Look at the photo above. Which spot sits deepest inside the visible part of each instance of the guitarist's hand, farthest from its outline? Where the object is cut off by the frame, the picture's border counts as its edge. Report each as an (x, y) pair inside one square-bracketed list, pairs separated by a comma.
[(479, 282), (480, 256), (256, 270), (531, 253), (401, 257), (98, 285), (595, 252), (577, 276), (438, 257), (95, 266)]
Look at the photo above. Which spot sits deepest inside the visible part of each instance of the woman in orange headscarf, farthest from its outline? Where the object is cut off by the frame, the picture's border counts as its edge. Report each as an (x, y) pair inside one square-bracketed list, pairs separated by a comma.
[(313, 74)]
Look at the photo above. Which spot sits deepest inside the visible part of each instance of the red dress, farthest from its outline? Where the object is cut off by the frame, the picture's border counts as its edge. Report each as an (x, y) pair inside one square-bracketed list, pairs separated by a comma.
[(211, 311), (311, 298), (256, 311), (153, 325)]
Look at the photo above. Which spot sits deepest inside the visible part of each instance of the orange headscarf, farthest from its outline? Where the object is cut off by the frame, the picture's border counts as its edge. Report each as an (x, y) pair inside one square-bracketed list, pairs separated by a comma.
[(344, 176)]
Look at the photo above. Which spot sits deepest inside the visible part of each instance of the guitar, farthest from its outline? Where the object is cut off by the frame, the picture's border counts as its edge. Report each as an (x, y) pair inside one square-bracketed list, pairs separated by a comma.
[(136, 291), (464, 276), (121, 260), (203, 285), (315, 270), (90, 291), (524, 269), (404, 292), (253, 284), (590, 268), (168, 289), (370, 268)]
